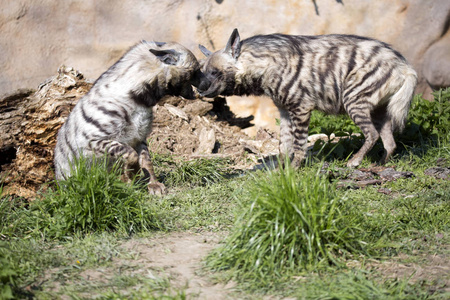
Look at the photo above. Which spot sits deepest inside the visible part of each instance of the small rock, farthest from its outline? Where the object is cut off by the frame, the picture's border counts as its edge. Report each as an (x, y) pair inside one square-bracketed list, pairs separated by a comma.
[(441, 162), (315, 137), (207, 140), (387, 173), (172, 100), (390, 174), (360, 175), (264, 147), (385, 191), (176, 111), (438, 172), (198, 108), (352, 184), (263, 134)]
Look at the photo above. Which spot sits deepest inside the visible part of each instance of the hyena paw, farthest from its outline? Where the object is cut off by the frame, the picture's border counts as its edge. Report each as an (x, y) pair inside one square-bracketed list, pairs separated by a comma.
[(354, 162), (156, 188), (293, 163), (297, 160)]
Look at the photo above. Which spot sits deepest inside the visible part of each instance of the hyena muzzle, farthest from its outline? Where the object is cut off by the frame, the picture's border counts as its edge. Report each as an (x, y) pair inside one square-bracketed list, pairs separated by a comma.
[(115, 117), (362, 77)]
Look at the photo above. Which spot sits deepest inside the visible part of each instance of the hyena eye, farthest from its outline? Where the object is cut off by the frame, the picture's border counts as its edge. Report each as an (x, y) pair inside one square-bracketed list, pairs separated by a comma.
[(215, 72)]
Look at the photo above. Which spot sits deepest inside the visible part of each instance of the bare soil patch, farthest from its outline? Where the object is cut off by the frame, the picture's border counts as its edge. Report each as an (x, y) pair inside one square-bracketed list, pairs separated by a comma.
[(179, 256), (430, 270), (176, 257)]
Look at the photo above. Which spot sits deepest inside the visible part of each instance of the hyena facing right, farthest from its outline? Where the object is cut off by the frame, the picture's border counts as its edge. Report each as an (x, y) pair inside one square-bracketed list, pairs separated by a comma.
[(115, 116), (363, 77)]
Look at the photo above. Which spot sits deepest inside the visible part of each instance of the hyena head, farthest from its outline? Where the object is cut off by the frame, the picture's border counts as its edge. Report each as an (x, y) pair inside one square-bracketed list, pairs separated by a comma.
[(181, 69), (220, 68)]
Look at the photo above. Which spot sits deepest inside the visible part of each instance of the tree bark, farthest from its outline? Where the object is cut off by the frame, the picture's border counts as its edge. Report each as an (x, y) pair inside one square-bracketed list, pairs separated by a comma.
[(29, 123)]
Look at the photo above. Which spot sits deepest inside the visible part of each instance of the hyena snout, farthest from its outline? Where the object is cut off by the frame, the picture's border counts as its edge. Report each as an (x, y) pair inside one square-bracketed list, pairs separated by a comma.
[(210, 86), (201, 82), (187, 92)]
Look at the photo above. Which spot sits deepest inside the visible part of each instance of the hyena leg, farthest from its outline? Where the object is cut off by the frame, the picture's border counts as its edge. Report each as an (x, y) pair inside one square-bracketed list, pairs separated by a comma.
[(384, 127), (300, 123), (118, 152), (286, 137), (361, 116), (154, 187)]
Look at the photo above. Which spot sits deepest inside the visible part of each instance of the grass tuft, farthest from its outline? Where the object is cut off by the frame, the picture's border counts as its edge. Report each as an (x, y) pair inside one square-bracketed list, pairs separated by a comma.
[(94, 199), (292, 222), (197, 172), (8, 274), (190, 173)]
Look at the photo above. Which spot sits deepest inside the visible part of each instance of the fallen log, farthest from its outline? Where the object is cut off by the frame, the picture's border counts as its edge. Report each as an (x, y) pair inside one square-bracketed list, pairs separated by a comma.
[(29, 122)]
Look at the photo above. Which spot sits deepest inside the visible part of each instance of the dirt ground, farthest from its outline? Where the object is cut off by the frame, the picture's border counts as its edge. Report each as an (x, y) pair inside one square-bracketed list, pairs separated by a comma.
[(175, 256), (179, 256), (187, 129)]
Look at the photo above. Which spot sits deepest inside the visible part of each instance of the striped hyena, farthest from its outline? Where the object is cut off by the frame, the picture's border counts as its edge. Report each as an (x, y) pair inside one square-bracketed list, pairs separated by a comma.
[(115, 116), (360, 76)]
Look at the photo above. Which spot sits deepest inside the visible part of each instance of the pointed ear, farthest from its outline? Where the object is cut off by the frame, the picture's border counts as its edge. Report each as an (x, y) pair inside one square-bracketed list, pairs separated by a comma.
[(159, 44), (169, 57), (233, 46), (205, 51)]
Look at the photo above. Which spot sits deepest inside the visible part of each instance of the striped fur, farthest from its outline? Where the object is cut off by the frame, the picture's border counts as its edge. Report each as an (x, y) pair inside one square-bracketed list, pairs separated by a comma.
[(115, 116), (362, 77)]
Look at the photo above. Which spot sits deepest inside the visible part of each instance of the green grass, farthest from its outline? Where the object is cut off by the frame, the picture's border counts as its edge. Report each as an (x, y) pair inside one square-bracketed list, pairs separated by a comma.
[(190, 173), (428, 125), (417, 209), (79, 224), (292, 221), (93, 199), (290, 232), (355, 284), (8, 274)]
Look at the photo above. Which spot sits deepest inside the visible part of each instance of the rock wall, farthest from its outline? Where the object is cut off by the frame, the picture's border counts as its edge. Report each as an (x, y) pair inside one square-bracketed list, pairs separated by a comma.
[(40, 35)]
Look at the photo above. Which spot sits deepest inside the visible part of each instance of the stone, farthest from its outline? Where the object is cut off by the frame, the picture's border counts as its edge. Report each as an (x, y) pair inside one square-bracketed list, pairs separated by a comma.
[(207, 139), (176, 111), (39, 35), (438, 172), (436, 63), (198, 108)]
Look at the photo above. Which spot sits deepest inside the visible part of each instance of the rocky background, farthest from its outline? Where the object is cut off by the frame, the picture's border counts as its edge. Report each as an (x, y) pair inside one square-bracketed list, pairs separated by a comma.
[(40, 35)]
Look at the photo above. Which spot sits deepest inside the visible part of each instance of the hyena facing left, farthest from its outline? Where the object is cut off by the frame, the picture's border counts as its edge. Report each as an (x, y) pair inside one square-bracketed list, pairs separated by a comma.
[(363, 77), (115, 116)]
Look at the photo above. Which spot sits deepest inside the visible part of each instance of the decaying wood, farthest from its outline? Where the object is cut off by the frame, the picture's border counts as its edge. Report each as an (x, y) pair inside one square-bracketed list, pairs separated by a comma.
[(29, 122)]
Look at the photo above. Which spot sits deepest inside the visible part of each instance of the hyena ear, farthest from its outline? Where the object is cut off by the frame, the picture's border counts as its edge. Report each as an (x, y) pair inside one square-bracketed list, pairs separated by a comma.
[(233, 46), (169, 57), (204, 50), (159, 44)]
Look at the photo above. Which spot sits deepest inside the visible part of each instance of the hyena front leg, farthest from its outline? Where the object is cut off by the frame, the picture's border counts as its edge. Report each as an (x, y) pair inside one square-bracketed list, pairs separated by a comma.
[(360, 114), (300, 122), (286, 137), (118, 152), (293, 133), (154, 186)]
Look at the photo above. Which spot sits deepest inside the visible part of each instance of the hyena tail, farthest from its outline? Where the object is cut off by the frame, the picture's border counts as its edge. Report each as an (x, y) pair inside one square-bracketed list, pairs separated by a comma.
[(399, 103)]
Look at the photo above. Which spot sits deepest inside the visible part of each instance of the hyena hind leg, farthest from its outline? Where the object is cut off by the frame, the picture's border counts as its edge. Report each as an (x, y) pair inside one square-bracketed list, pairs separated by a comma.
[(384, 128), (154, 186), (362, 118), (118, 152), (133, 160)]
